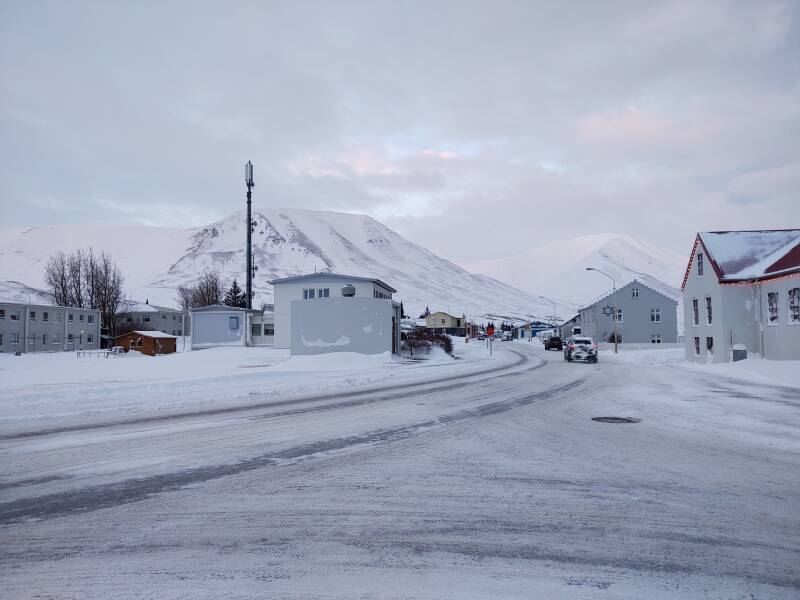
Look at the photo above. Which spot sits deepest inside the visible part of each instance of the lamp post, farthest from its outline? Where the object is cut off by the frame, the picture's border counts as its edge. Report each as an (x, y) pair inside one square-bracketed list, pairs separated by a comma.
[(614, 305), (248, 180)]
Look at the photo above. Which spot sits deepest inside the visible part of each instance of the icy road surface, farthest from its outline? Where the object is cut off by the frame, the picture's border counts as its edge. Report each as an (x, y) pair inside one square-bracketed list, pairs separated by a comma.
[(493, 485)]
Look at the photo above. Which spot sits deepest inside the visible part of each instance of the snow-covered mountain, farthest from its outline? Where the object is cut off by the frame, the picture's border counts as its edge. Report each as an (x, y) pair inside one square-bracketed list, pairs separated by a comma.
[(559, 268), (287, 242)]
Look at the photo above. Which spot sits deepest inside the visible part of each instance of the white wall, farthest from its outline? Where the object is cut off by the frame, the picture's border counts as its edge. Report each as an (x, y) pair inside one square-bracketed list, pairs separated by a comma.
[(212, 328), (782, 338)]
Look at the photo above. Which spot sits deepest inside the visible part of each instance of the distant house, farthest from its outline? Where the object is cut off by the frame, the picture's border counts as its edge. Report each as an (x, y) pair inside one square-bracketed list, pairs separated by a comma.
[(222, 325), (47, 328), (743, 288), (330, 312), (571, 327), (640, 314), (152, 343), (145, 316), (442, 322)]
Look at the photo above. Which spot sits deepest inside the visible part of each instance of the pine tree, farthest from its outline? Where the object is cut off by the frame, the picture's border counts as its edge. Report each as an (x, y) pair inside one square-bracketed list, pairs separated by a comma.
[(426, 314), (403, 314), (235, 296)]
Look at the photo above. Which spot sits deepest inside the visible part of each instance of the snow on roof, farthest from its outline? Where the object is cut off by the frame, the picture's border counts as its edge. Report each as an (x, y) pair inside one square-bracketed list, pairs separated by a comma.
[(151, 334), (222, 308), (136, 307), (334, 275), (750, 254)]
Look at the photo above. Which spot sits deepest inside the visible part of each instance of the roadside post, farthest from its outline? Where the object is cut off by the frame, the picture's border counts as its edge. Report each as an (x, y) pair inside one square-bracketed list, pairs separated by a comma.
[(490, 337)]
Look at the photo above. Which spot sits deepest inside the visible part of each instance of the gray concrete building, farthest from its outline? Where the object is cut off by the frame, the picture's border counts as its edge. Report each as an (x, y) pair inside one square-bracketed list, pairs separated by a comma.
[(222, 325), (329, 312), (47, 328), (145, 316), (641, 315), (742, 290)]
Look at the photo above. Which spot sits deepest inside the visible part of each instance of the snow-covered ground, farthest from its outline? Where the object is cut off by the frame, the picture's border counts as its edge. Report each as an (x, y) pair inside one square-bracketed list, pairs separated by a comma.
[(483, 484), (57, 387)]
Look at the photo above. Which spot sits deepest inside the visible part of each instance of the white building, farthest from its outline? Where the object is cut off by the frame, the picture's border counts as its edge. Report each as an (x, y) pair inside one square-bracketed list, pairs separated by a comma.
[(742, 288), (47, 328), (328, 312), (221, 325)]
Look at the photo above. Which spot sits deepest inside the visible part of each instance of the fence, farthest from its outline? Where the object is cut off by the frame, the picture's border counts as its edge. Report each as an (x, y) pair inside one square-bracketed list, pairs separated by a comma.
[(624, 346)]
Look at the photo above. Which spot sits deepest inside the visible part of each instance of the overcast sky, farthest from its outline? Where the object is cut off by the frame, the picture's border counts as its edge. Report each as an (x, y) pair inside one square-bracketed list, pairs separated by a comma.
[(475, 129)]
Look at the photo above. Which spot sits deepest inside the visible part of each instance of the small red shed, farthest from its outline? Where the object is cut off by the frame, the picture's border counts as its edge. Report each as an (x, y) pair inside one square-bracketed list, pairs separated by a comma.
[(147, 342)]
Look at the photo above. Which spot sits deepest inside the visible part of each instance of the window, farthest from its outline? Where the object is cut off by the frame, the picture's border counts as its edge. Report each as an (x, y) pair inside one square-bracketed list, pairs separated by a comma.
[(794, 305), (45, 316), (163, 317), (233, 322), (15, 338), (655, 339), (269, 330), (58, 317), (146, 320), (697, 346), (699, 264), (32, 315), (71, 318), (139, 342), (305, 294), (44, 339), (1, 339), (309, 294), (696, 312), (772, 306), (180, 332), (710, 344), (90, 339), (708, 310), (173, 317), (14, 315), (443, 321), (70, 339), (255, 329), (56, 338), (635, 293), (618, 316), (2, 313), (655, 315), (129, 320), (325, 293), (80, 318)]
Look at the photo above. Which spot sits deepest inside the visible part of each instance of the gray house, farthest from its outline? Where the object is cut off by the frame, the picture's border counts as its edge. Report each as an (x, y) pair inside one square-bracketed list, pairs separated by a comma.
[(329, 312), (571, 327), (146, 316), (641, 314), (46, 328), (741, 291)]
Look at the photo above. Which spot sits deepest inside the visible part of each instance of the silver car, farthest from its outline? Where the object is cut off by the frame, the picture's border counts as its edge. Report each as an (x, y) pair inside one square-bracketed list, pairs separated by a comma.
[(580, 347)]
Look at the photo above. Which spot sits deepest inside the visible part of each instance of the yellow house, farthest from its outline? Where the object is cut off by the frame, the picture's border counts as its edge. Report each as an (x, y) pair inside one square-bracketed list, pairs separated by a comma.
[(442, 322)]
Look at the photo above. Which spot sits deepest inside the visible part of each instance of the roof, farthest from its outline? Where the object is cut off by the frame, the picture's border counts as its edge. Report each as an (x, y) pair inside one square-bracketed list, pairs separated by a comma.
[(334, 275), (635, 282), (750, 255), (150, 334), (136, 307), (222, 308), (50, 306)]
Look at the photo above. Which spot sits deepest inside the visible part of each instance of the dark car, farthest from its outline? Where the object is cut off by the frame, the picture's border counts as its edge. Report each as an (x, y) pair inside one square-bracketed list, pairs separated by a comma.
[(553, 343), (580, 347)]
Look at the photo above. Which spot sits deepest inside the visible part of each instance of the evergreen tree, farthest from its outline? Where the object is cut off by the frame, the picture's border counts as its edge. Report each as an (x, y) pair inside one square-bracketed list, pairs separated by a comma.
[(235, 296), (426, 314), (403, 314)]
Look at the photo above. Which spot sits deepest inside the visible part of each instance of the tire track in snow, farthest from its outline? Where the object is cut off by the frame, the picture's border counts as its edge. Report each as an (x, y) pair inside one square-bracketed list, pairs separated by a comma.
[(133, 490), (462, 380)]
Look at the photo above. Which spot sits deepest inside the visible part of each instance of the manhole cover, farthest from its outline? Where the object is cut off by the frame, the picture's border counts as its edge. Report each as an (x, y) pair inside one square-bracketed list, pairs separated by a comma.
[(615, 420)]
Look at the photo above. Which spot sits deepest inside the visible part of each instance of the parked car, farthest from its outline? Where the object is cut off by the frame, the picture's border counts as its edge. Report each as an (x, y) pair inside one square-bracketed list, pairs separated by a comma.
[(553, 343), (580, 347), (506, 336), (481, 336)]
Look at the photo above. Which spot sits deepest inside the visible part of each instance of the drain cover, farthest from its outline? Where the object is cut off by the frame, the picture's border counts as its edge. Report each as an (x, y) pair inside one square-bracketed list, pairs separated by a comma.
[(615, 420)]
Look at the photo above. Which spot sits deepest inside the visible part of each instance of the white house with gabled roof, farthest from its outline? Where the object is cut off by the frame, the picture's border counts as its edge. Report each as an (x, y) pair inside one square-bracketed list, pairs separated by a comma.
[(742, 289)]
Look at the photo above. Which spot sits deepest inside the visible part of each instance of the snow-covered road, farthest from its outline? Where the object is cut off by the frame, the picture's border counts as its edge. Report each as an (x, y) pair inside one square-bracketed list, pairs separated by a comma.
[(487, 485)]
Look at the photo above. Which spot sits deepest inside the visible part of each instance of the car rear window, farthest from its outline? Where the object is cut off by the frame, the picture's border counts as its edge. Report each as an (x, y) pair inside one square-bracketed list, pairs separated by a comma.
[(582, 340)]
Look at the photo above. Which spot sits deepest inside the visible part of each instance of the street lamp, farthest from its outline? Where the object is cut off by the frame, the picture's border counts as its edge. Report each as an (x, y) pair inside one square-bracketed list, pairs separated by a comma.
[(613, 307), (248, 180)]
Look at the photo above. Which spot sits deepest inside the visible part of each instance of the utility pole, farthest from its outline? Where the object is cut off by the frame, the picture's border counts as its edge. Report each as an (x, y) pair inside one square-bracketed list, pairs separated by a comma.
[(248, 179), (613, 307)]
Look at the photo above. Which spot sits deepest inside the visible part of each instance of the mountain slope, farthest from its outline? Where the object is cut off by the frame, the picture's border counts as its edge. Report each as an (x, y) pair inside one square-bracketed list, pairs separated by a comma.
[(285, 242), (559, 268)]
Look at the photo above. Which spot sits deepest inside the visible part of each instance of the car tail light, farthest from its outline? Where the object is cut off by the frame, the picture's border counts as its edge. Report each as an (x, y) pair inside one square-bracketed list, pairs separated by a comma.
[(594, 346), (572, 346)]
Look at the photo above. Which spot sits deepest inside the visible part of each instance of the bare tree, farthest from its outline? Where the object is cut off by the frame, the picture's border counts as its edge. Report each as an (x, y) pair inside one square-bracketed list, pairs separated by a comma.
[(56, 278), (205, 291), (85, 280)]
